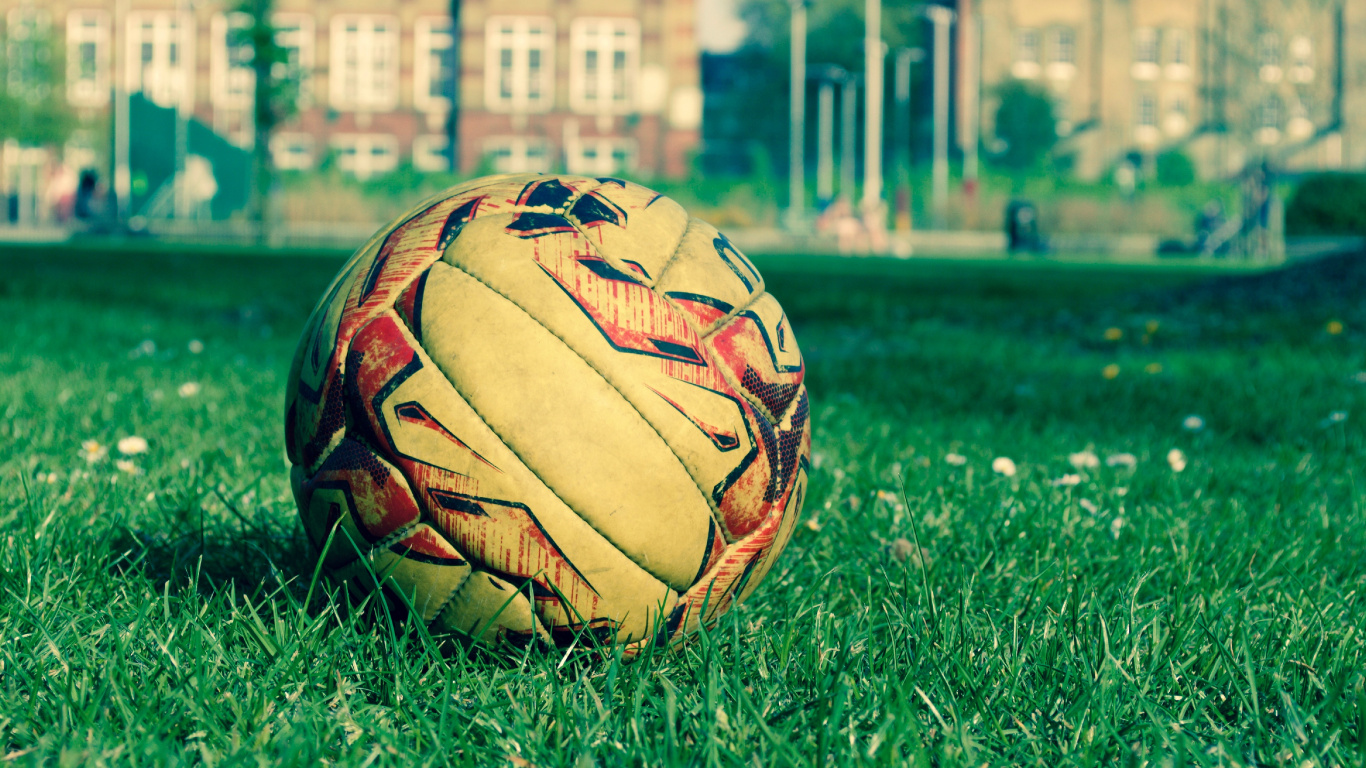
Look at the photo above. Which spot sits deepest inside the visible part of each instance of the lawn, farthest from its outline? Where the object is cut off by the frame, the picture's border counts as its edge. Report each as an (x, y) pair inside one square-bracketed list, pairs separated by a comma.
[(161, 608)]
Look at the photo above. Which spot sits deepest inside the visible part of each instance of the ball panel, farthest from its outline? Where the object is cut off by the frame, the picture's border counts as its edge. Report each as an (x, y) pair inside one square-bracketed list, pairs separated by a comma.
[(791, 510), (489, 610), (421, 568), (709, 279), (364, 494), (761, 356), (485, 500), (567, 424), (634, 228), (628, 334)]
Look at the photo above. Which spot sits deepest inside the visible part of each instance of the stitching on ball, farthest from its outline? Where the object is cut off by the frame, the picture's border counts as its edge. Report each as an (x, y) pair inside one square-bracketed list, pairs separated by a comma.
[(716, 513)]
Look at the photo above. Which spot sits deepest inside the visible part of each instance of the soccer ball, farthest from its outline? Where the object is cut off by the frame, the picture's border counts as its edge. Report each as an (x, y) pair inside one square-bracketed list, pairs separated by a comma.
[(550, 409)]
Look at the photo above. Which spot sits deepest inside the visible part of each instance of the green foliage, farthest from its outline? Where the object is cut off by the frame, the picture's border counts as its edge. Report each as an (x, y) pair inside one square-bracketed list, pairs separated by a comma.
[(1025, 124), (168, 614), (33, 105), (1175, 169), (1328, 204)]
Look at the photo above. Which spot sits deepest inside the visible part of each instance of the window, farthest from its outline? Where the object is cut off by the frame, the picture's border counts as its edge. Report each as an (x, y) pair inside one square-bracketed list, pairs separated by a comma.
[(27, 55), (1269, 56), (1064, 46), (159, 57), (1299, 127), (1147, 110), (516, 154), (1301, 59), (1269, 120), (294, 36), (431, 153), (434, 65), (603, 66), (599, 157), (1177, 119), (364, 71), (1178, 47), (232, 81), (366, 154), (1145, 54), (292, 151), (1027, 54), (518, 65), (87, 58)]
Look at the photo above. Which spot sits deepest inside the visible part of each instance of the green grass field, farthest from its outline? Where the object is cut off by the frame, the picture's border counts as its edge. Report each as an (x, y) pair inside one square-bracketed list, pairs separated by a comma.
[(160, 608)]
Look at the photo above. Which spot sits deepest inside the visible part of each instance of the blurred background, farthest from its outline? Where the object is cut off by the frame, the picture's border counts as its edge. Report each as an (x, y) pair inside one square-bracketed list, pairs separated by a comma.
[(1179, 128)]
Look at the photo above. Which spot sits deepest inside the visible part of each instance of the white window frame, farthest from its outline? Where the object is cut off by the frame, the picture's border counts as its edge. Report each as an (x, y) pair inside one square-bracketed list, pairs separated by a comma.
[(599, 156), (429, 153), (1028, 53), (232, 84), (430, 35), (284, 156), (87, 27), (1062, 45), (370, 81), (604, 41), (518, 36), (523, 154), (360, 162), (171, 37)]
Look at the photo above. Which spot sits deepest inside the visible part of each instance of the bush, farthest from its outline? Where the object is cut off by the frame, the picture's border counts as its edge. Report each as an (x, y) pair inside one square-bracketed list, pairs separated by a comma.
[(1328, 204), (1175, 169)]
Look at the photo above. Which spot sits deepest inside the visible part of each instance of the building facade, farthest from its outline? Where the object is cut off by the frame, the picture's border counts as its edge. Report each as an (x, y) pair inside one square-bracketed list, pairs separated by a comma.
[(588, 86), (1227, 82)]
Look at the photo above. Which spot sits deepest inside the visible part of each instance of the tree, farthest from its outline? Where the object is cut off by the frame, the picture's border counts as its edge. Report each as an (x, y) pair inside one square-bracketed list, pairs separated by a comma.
[(275, 91), (1025, 126), (33, 106)]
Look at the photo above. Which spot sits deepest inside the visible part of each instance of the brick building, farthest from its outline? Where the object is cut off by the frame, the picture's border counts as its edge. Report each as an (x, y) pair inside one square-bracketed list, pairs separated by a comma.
[(591, 86), (1225, 81)]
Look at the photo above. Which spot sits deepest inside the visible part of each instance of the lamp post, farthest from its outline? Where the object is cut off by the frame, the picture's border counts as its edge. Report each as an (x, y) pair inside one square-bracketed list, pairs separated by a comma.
[(825, 129), (797, 126), (848, 137), (873, 210), (942, 18)]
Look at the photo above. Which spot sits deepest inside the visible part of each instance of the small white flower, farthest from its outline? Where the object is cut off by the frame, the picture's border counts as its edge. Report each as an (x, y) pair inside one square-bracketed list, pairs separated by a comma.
[(1083, 460), (1126, 460), (1193, 423), (151, 496), (189, 389), (184, 463), (1176, 459), (1003, 466), (1121, 491), (196, 346), (1067, 481), (146, 348), (128, 467), (1089, 506), (1115, 526), (1359, 377), (956, 459), (93, 452), (1337, 417), (132, 445)]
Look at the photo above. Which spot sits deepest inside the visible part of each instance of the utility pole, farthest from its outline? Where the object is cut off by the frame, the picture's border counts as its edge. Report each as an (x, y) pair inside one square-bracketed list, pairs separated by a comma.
[(970, 93), (941, 17), (848, 136), (874, 211), (123, 175), (796, 194), (825, 136)]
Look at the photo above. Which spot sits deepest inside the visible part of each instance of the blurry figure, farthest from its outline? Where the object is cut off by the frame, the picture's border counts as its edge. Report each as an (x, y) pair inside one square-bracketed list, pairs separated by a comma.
[(1126, 178), (86, 208), (1208, 223), (838, 218), (1255, 237), (1022, 227), (60, 194)]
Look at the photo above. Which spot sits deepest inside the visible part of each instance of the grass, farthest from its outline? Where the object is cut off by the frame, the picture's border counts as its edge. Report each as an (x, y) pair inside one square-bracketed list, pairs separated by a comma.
[(1212, 616)]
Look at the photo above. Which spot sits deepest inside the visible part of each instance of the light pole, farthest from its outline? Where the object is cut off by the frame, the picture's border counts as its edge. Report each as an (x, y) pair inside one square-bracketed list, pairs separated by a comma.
[(848, 136), (797, 127), (970, 92), (942, 18), (123, 177), (901, 134), (873, 210), (825, 135)]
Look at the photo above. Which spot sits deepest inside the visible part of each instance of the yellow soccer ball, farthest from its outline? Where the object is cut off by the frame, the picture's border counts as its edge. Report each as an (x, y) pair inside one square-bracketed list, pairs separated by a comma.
[(550, 409)]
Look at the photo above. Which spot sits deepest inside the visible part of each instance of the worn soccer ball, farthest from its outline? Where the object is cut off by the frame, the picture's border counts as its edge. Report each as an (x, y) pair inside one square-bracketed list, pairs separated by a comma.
[(550, 409)]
